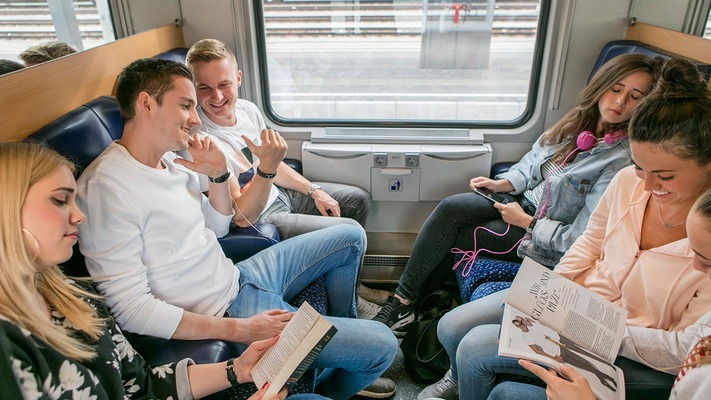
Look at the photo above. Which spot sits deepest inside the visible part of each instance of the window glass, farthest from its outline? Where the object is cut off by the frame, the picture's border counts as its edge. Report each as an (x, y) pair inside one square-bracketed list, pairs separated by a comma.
[(400, 60), (81, 24), (707, 27)]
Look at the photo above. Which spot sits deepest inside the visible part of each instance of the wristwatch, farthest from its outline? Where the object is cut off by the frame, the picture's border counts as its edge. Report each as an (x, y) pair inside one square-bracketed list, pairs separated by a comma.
[(221, 178), (531, 225), (265, 175), (230, 370), (314, 187)]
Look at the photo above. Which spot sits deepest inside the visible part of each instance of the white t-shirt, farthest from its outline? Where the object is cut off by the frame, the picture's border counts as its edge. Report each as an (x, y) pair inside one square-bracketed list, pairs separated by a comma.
[(249, 123), (150, 240)]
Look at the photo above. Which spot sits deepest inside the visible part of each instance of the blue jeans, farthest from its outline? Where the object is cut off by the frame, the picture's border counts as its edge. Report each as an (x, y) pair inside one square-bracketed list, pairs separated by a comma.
[(293, 213), (352, 359), (469, 334), (517, 391), (452, 224)]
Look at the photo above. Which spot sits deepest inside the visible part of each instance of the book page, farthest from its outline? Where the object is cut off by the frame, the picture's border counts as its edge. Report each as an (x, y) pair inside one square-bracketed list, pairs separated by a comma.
[(523, 337), (575, 312)]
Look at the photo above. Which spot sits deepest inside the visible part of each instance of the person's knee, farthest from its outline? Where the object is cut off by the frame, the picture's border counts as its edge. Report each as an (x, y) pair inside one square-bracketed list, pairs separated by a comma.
[(386, 342)]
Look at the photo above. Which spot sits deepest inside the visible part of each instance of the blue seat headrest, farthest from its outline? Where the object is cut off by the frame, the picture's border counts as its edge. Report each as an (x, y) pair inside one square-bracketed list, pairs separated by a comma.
[(618, 47), (83, 133)]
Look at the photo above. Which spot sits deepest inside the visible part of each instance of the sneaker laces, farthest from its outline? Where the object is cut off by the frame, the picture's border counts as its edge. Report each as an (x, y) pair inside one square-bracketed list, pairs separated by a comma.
[(446, 382)]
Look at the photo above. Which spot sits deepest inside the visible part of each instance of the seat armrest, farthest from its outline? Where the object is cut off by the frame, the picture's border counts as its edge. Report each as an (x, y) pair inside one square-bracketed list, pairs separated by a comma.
[(242, 243), (159, 351), (295, 165), (500, 168)]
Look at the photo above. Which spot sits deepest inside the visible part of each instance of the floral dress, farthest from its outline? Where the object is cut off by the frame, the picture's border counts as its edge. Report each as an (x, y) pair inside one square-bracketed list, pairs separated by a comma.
[(31, 369)]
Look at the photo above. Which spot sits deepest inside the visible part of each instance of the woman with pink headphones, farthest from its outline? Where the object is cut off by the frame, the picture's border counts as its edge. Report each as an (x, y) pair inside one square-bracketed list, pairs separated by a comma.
[(549, 194)]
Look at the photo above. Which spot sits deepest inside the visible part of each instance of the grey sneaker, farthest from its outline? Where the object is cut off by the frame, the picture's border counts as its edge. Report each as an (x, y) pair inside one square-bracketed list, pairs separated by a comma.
[(445, 389), (376, 296), (366, 309), (396, 316), (382, 388)]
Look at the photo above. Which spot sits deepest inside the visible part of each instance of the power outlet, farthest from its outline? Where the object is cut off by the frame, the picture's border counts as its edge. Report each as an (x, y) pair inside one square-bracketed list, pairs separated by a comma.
[(412, 160), (380, 159)]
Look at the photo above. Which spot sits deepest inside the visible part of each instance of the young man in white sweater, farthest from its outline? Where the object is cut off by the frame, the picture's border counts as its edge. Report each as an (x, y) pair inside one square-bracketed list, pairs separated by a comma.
[(150, 241)]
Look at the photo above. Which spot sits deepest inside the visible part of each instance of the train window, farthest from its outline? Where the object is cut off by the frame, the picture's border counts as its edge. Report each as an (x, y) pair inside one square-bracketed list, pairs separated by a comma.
[(81, 24), (464, 62)]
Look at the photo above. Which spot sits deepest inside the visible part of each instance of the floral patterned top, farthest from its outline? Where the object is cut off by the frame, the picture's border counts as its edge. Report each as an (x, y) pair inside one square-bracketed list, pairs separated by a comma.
[(31, 369)]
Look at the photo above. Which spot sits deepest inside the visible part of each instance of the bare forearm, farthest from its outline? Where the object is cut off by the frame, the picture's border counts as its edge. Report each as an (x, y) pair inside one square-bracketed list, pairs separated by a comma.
[(251, 201), (219, 196), (206, 379), (197, 327), (290, 179)]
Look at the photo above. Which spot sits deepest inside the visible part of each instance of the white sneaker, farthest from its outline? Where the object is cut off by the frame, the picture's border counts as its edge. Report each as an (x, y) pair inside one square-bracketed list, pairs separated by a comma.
[(373, 295), (366, 309), (444, 389)]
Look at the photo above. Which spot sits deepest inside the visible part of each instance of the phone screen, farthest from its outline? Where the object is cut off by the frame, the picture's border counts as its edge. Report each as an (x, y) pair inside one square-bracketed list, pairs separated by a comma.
[(492, 196)]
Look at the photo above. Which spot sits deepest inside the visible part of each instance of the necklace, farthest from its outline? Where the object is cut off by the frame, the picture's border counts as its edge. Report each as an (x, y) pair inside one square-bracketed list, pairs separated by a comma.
[(667, 225)]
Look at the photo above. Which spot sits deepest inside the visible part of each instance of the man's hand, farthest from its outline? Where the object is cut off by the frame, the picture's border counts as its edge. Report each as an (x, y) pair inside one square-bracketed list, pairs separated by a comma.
[(244, 364), (501, 185), (271, 152), (558, 388), (207, 157), (264, 325), (513, 214), (326, 204)]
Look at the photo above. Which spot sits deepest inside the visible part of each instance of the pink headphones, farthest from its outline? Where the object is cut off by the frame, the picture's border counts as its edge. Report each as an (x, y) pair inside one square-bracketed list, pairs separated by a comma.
[(586, 140)]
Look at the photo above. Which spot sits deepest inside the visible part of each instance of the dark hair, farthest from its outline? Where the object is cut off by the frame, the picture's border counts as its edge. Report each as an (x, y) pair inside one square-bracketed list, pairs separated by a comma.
[(676, 113), (585, 114), (7, 66), (150, 75), (46, 51)]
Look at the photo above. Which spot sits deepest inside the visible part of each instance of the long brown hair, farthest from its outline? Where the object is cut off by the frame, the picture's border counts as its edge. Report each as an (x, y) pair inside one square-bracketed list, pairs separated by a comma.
[(21, 166), (586, 114)]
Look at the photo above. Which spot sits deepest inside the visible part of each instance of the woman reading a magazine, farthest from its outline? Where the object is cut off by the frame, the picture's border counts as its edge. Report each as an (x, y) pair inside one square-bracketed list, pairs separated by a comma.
[(686, 353), (635, 237), (57, 339), (551, 191)]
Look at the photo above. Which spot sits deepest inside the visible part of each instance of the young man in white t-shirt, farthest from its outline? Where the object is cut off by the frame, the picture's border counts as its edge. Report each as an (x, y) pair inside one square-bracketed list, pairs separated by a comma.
[(277, 194)]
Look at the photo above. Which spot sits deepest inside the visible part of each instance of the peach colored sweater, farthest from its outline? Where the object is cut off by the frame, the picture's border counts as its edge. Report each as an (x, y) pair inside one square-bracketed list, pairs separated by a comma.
[(659, 287)]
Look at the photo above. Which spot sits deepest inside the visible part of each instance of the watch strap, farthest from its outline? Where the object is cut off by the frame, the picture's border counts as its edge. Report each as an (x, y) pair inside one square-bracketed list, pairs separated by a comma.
[(222, 178), (532, 225), (265, 175), (230, 370)]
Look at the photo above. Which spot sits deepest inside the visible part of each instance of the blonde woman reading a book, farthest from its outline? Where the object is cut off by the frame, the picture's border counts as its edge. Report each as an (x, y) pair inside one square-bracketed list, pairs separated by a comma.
[(57, 338)]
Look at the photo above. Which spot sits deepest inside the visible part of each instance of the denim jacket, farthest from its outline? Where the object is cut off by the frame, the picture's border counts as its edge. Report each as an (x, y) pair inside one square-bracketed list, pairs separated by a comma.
[(573, 195)]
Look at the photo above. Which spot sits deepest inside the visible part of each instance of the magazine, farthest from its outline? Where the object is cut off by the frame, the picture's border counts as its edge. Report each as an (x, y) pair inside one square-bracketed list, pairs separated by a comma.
[(550, 320), (303, 338)]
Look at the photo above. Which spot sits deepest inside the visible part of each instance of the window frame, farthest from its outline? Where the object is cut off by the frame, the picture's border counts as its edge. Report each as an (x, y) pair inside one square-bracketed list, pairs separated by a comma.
[(525, 117)]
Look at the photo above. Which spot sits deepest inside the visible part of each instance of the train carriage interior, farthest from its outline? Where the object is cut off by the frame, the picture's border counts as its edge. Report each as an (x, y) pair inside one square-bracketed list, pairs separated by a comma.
[(407, 99)]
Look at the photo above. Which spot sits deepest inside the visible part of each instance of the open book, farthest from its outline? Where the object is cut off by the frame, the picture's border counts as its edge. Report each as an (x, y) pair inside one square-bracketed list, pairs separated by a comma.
[(300, 342), (549, 319)]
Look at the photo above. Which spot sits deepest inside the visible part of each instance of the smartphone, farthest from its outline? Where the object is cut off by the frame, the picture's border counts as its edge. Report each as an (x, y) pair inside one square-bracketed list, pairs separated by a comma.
[(491, 196)]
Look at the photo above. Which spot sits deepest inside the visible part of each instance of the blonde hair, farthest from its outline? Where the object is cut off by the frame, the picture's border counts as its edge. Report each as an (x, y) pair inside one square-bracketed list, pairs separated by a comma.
[(21, 166), (207, 50)]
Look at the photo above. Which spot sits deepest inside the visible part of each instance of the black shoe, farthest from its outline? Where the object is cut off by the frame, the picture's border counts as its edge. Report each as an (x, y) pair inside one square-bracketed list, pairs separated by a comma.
[(382, 388), (396, 316)]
